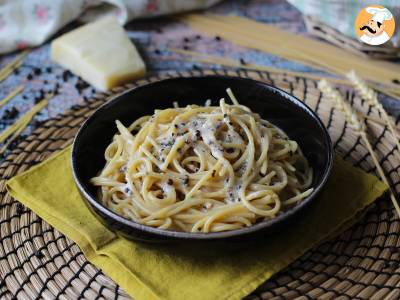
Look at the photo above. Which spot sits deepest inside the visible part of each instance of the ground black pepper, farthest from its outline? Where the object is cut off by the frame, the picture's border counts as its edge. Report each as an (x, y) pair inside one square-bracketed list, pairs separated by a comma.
[(37, 71), (41, 93), (66, 75), (10, 113), (37, 123), (39, 254), (20, 209)]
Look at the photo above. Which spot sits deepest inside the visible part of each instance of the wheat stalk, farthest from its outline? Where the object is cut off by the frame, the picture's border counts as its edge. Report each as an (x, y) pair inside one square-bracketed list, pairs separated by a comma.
[(352, 119), (371, 97)]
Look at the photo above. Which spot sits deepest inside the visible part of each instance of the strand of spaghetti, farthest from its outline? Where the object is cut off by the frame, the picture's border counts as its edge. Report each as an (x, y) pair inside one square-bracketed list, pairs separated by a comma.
[(16, 62), (19, 126), (395, 94), (207, 220), (314, 50), (196, 163), (359, 128), (202, 181), (271, 39), (5, 74), (250, 66), (11, 129), (11, 95), (14, 136), (210, 59), (241, 37)]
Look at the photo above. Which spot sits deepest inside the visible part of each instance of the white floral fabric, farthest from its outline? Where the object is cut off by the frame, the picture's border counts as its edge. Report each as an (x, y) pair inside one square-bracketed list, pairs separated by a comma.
[(27, 23)]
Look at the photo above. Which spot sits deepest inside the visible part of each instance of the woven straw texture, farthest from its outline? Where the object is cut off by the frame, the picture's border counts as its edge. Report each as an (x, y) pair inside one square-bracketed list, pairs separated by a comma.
[(37, 261)]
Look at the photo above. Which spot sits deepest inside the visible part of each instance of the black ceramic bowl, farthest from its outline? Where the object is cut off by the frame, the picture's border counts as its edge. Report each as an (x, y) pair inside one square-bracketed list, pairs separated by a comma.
[(273, 104)]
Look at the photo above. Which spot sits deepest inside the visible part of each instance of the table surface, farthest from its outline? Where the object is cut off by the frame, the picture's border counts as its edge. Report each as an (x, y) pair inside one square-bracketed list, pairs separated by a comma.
[(152, 37)]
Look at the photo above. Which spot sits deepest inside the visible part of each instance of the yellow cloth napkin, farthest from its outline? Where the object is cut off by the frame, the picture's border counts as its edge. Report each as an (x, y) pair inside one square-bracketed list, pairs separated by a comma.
[(159, 271)]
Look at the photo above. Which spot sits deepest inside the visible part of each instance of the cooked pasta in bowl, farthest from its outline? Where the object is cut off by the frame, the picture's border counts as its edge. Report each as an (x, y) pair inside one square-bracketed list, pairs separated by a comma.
[(202, 169), (210, 168)]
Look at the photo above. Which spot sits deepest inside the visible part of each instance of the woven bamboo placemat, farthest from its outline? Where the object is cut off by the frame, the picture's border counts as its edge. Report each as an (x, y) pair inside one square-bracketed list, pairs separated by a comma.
[(37, 261)]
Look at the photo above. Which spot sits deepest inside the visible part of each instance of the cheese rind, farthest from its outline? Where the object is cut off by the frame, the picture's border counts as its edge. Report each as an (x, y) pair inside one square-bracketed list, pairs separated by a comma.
[(100, 52)]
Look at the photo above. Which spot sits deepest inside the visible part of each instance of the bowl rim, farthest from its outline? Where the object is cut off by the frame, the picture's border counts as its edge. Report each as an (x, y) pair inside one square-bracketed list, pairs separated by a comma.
[(201, 235)]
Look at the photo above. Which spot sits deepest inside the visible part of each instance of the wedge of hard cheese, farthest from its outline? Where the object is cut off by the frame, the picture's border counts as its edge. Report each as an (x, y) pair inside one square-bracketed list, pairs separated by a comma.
[(100, 52)]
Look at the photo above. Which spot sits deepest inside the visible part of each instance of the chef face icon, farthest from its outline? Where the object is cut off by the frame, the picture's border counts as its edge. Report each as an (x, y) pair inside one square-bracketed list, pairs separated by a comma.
[(373, 30)]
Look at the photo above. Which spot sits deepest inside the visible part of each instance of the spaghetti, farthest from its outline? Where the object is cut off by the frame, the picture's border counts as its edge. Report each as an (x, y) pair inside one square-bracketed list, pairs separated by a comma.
[(202, 169)]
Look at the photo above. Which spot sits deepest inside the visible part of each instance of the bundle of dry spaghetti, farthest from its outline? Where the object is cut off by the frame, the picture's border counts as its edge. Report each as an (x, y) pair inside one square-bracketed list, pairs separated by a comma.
[(268, 38), (358, 126)]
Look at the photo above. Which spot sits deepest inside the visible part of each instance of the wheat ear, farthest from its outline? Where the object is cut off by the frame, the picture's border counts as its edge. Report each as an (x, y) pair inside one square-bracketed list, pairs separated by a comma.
[(371, 97), (359, 128)]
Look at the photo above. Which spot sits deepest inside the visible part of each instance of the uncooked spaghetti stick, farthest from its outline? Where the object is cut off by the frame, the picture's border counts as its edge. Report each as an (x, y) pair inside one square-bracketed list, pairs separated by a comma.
[(21, 122), (16, 62), (271, 39), (211, 59), (11, 95)]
